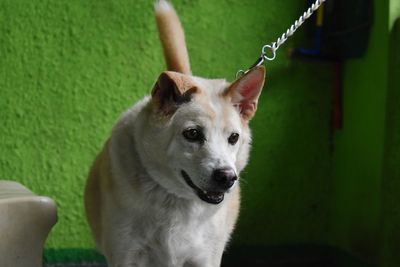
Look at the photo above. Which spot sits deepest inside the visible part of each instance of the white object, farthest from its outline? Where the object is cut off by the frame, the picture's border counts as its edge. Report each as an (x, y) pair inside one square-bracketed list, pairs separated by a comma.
[(25, 221)]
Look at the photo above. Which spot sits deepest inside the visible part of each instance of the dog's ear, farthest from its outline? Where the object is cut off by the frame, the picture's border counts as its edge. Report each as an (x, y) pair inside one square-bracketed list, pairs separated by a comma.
[(171, 90), (245, 91)]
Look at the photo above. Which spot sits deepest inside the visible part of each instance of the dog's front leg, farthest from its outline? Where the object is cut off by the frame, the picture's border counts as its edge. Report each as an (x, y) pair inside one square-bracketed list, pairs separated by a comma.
[(202, 263), (125, 254), (198, 264), (135, 260), (146, 258), (205, 261)]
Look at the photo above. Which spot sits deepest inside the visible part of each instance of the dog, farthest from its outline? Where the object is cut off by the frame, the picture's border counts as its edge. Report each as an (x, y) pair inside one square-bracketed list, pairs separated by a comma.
[(164, 190)]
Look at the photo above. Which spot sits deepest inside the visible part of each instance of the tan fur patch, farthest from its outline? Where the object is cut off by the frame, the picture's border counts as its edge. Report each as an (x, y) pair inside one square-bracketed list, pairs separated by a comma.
[(172, 40), (183, 82), (171, 90), (99, 180)]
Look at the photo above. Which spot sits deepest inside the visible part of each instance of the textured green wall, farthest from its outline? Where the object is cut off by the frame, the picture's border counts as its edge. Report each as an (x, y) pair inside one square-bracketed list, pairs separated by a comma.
[(68, 68), (366, 157)]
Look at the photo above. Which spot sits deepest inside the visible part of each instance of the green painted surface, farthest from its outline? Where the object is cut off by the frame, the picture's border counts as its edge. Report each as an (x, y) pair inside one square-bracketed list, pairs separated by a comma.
[(391, 173), (287, 183), (359, 147), (394, 11), (69, 68)]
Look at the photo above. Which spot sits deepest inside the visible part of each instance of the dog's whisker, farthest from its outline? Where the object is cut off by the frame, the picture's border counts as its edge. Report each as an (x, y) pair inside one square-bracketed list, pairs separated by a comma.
[(243, 181)]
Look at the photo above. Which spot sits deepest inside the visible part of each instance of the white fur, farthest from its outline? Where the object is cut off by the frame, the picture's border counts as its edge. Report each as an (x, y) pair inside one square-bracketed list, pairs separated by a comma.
[(141, 210), (162, 6), (164, 223)]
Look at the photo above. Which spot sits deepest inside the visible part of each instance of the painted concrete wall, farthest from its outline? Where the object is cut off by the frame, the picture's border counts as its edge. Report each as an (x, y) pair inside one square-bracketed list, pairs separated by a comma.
[(391, 173), (359, 146), (365, 201), (69, 68)]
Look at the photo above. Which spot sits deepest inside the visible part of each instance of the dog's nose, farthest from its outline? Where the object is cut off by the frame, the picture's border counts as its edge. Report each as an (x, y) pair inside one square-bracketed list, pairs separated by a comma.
[(224, 177)]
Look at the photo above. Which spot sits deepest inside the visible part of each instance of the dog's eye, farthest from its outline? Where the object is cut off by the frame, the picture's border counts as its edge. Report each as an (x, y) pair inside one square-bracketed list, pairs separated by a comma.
[(233, 138), (193, 135)]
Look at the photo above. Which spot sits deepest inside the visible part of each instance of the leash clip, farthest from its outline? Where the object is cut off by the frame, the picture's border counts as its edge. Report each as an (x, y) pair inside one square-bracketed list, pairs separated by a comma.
[(272, 48), (271, 54), (264, 56)]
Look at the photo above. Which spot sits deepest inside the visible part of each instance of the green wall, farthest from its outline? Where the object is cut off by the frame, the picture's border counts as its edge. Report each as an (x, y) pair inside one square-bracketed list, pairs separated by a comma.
[(69, 68), (391, 173), (358, 157), (365, 198)]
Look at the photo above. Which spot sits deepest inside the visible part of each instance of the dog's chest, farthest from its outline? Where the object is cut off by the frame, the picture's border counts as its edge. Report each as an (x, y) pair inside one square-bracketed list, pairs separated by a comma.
[(180, 236)]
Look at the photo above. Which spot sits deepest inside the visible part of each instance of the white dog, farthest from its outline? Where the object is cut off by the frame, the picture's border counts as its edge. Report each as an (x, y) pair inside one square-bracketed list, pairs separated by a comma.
[(164, 190)]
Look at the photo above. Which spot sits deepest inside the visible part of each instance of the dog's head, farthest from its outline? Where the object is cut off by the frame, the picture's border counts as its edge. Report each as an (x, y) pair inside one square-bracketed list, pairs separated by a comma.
[(197, 138)]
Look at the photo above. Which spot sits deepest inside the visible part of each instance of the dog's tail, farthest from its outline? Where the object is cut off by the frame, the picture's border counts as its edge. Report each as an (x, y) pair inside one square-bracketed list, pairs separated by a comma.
[(172, 37)]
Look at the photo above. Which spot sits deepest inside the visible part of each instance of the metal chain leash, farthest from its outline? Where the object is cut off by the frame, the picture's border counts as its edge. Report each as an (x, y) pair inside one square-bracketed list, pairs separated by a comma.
[(273, 47)]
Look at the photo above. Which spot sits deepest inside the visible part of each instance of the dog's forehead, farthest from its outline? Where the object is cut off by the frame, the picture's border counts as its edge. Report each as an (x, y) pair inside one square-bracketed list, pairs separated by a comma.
[(210, 104), (210, 86)]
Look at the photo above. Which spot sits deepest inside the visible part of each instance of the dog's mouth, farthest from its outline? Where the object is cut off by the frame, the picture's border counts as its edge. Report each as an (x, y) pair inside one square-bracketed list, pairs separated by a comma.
[(207, 196)]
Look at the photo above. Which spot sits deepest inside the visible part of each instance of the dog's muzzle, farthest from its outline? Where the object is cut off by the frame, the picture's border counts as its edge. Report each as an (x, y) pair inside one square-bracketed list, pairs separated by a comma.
[(212, 197)]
